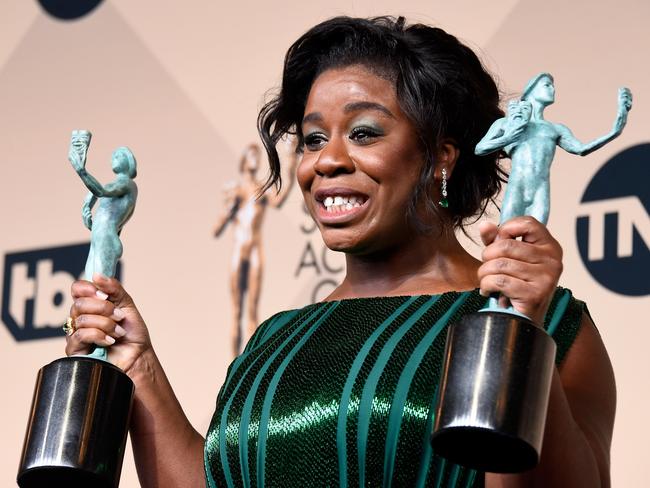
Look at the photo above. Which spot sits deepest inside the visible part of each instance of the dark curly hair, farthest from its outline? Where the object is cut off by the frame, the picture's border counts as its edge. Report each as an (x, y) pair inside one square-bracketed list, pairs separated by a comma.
[(440, 84)]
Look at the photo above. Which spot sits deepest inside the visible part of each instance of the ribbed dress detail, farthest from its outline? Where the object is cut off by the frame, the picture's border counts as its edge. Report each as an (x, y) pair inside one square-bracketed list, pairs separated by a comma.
[(342, 394)]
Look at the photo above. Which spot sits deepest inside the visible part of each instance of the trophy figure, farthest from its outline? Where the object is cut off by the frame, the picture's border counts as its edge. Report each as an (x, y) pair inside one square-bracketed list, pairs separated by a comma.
[(79, 418), (496, 379), (245, 209)]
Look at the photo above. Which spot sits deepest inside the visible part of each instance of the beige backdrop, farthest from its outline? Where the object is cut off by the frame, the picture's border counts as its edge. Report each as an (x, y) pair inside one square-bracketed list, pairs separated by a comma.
[(180, 83)]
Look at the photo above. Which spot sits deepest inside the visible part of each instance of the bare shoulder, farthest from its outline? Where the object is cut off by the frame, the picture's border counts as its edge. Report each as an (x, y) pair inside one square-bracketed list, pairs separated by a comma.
[(586, 356), (588, 380)]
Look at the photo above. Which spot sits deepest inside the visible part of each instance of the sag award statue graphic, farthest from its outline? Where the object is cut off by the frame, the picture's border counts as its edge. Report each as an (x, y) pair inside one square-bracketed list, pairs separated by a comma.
[(245, 208), (80, 411), (498, 367)]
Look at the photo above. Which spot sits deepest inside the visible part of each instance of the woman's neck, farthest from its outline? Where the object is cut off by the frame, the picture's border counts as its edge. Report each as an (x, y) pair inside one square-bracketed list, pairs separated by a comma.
[(426, 265)]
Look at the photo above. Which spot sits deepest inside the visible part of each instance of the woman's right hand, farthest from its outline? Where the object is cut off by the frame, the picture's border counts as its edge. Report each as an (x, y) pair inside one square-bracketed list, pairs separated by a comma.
[(105, 315)]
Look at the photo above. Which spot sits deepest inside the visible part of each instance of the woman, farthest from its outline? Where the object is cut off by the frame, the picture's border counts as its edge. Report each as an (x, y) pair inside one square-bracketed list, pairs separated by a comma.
[(340, 393)]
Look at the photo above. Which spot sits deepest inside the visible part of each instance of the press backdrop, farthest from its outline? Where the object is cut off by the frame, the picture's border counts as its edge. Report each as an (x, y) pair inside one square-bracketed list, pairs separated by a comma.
[(180, 83)]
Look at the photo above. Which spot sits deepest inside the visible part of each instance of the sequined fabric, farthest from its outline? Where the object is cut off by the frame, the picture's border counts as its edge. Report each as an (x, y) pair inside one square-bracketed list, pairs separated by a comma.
[(341, 394)]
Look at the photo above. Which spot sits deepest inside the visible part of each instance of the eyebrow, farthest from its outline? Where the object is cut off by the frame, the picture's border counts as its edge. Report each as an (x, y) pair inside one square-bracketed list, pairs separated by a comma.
[(356, 106), (350, 107), (312, 117)]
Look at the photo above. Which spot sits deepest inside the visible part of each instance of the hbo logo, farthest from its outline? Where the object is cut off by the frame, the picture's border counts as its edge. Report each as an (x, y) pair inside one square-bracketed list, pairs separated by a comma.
[(36, 290)]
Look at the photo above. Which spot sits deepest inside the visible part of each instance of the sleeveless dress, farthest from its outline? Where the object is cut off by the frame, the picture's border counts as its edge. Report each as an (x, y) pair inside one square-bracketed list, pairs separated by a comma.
[(342, 394)]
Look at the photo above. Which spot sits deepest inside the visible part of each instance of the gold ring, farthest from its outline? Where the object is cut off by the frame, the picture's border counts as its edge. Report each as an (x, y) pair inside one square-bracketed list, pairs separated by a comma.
[(69, 327)]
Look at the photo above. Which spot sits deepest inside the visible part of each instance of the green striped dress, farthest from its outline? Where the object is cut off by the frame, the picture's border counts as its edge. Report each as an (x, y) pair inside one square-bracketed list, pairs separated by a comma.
[(342, 394)]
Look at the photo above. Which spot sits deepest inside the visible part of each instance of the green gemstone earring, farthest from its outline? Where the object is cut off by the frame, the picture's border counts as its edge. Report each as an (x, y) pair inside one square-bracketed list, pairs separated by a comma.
[(443, 202)]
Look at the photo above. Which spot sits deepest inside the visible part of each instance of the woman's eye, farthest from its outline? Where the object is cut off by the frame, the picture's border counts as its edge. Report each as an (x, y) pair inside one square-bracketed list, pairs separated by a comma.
[(364, 135), (314, 141)]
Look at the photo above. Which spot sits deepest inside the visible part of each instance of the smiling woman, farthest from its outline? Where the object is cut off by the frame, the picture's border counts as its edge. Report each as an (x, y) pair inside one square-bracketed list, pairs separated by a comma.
[(435, 82), (342, 392), (359, 145)]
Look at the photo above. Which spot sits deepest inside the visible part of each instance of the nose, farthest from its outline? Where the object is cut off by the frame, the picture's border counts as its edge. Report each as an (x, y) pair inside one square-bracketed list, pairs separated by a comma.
[(334, 159)]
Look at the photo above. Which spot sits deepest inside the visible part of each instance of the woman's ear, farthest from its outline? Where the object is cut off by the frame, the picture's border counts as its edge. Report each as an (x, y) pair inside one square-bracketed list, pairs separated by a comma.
[(446, 157)]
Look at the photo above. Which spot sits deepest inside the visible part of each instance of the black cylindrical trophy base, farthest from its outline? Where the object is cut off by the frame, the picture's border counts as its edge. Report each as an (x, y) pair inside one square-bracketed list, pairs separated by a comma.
[(494, 392), (78, 425)]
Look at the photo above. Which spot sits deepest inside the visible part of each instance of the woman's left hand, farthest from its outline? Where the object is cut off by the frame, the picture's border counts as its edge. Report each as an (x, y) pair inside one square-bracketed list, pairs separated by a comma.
[(527, 270)]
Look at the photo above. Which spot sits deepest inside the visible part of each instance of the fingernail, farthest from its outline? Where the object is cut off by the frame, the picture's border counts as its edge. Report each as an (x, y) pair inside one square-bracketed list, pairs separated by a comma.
[(100, 294), (110, 340), (119, 331), (118, 313)]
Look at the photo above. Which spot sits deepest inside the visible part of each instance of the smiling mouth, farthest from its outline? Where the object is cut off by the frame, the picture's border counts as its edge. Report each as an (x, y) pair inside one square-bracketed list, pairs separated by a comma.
[(338, 205), (342, 203)]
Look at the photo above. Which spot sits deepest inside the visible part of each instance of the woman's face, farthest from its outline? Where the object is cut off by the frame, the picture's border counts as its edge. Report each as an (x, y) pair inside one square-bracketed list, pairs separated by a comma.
[(361, 161)]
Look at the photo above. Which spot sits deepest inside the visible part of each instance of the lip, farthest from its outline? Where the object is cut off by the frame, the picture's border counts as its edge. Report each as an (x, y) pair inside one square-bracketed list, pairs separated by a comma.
[(342, 216)]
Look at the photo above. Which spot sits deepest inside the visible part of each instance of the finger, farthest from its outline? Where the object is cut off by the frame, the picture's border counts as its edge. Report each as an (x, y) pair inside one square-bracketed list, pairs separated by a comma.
[(542, 277), (105, 324), (527, 294), (82, 341), (488, 231), (518, 250), (496, 284), (511, 267), (512, 249), (531, 232), (114, 290), (526, 227), (95, 306), (83, 288), (530, 299)]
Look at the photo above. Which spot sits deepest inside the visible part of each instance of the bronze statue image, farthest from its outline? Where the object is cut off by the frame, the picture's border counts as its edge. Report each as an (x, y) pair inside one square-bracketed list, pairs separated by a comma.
[(244, 210)]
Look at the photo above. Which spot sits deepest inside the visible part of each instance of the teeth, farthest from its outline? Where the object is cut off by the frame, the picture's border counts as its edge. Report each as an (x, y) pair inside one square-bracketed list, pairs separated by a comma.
[(342, 203)]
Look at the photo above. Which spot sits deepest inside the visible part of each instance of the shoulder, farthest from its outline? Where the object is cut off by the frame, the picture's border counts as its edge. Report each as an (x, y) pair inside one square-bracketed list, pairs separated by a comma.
[(279, 321), (563, 320), (588, 381), (561, 129), (580, 349)]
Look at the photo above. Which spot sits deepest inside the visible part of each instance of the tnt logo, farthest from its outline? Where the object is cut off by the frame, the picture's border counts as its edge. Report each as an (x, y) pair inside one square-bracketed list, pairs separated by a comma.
[(69, 9), (613, 224), (36, 289)]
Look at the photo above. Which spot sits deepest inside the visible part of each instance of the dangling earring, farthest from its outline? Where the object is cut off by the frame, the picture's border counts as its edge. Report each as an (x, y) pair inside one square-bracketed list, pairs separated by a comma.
[(443, 202)]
